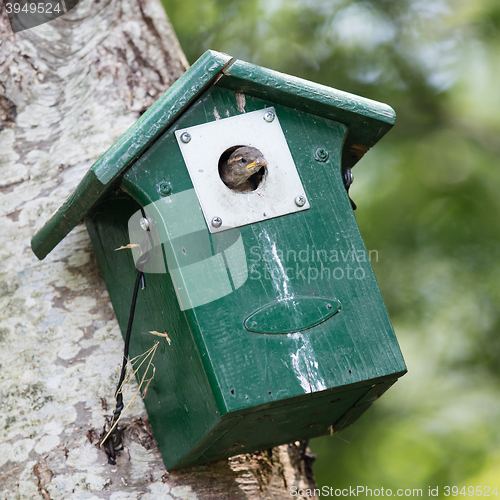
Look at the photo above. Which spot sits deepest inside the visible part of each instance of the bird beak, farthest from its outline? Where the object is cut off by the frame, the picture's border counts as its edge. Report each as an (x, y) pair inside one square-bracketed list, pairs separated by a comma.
[(258, 162)]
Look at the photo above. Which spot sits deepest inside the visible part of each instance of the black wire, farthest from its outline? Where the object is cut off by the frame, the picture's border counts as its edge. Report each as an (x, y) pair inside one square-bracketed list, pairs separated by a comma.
[(114, 439), (118, 394)]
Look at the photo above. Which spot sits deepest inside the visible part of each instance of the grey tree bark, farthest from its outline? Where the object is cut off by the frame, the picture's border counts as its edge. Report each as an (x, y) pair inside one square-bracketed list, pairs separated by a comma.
[(68, 90)]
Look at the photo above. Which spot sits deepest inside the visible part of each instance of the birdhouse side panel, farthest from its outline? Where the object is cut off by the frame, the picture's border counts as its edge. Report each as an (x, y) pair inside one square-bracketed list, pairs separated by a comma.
[(176, 392), (287, 421)]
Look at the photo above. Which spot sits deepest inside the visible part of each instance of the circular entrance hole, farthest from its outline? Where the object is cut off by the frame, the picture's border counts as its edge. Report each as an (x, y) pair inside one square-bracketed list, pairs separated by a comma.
[(242, 168)]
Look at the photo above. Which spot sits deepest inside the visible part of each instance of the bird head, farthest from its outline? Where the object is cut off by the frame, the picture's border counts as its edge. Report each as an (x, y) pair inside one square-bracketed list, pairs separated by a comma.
[(245, 161)]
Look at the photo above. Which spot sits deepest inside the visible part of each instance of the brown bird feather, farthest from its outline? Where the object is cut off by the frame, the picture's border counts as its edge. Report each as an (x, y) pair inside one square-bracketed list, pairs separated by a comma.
[(237, 171)]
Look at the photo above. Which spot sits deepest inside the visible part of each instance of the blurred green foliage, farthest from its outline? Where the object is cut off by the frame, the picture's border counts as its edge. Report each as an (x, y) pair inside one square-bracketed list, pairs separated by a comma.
[(428, 198)]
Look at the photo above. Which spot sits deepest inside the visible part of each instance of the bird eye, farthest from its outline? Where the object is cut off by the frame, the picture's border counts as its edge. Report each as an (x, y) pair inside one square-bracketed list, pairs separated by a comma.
[(243, 160)]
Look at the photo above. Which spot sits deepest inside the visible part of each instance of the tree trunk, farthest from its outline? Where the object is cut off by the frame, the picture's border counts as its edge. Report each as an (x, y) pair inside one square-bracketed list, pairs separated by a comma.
[(68, 90)]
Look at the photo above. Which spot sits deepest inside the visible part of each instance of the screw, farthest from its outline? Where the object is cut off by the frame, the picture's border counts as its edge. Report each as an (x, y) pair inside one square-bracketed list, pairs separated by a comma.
[(185, 137), (144, 223), (217, 222), (328, 306), (269, 116), (165, 188), (321, 154), (300, 201)]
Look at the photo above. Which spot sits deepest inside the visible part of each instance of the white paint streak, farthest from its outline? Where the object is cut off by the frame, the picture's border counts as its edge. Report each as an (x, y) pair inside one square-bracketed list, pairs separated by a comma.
[(305, 364), (281, 282)]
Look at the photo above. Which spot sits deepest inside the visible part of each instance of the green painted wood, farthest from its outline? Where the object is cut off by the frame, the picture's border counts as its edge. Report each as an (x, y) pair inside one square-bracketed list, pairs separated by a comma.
[(328, 225), (130, 146), (368, 120), (68, 215), (180, 399), (292, 315), (159, 116), (306, 417), (219, 389)]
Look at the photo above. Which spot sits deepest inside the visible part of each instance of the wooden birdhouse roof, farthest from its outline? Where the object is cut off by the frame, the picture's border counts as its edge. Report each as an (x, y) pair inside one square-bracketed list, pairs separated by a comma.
[(367, 121)]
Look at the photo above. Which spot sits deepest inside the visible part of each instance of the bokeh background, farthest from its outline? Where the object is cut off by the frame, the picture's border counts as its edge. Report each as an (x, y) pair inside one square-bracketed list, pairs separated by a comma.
[(428, 201)]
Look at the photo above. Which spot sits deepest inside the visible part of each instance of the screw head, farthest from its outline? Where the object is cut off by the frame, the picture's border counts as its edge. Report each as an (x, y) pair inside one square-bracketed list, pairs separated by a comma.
[(300, 201), (164, 188), (321, 154), (269, 116), (217, 222), (144, 223), (185, 137)]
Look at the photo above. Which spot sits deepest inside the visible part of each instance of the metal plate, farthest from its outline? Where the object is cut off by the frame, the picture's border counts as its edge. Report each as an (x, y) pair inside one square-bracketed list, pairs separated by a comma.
[(275, 195)]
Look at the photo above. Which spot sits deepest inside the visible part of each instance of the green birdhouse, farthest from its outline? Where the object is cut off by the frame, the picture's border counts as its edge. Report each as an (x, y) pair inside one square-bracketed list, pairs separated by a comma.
[(229, 194)]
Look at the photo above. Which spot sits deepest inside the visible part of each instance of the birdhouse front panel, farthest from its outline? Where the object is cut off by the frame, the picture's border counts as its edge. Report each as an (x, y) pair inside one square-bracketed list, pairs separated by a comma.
[(255, 268)]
